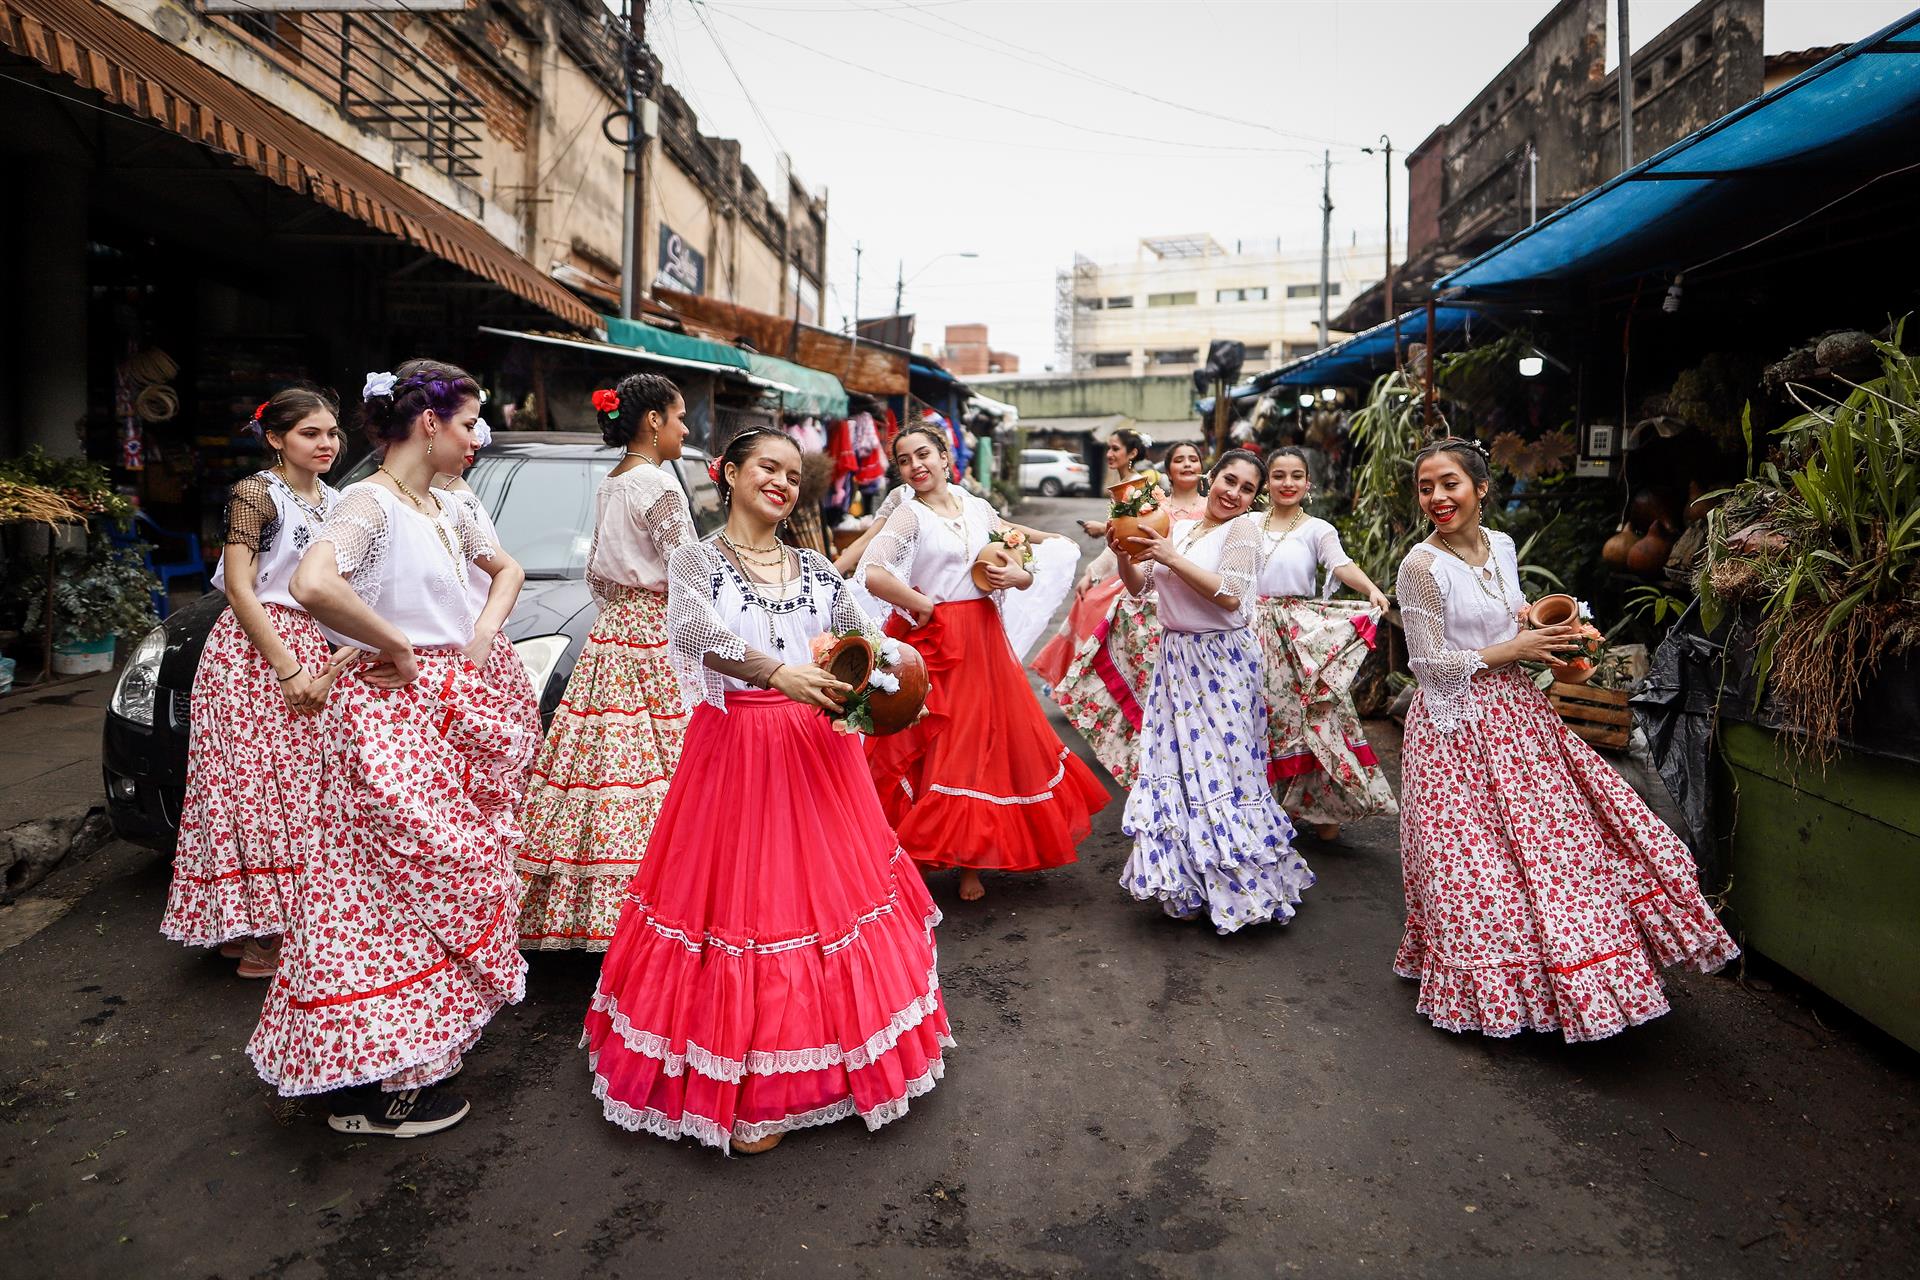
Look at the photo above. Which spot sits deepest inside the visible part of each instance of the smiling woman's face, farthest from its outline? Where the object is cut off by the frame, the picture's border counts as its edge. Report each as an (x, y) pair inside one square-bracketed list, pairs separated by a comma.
[(1448, 495), (766, 485)]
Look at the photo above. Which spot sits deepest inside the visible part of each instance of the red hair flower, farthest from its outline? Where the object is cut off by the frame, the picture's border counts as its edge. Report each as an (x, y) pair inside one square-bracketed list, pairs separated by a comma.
[(713, 470), (607, 402), (260, 409)]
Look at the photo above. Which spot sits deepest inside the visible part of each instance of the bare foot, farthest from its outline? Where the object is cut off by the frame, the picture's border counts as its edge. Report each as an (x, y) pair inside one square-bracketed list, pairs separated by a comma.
[(971, 890), (767, 1143), (1328, 831)]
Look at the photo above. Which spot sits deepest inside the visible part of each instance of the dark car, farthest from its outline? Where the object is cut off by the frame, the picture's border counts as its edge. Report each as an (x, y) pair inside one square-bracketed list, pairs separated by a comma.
[(538, 487)]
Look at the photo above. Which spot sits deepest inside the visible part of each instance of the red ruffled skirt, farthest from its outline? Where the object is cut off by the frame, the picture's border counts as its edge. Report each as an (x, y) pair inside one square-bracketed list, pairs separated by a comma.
[(1088, 612), (773, 968), (982, 781), (1542, 893), (400, 948), (253, 788)]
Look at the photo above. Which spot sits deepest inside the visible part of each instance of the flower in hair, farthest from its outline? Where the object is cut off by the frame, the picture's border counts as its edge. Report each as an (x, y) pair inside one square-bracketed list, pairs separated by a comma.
[(607, 402), (482, 433), (713, 470), (378, 384), (253, 424)]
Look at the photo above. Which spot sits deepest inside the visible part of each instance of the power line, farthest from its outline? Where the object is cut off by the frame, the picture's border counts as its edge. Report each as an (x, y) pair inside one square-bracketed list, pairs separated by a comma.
[(721, 48), (875, 72)]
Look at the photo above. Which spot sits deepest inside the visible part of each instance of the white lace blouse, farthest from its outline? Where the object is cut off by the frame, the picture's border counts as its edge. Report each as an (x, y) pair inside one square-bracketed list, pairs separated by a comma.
[(479, 582), (1450, 611), (713, 610), (265, 515), (640, 519), (930, 553), (1292, 562), (405, 565), (1231, 550)]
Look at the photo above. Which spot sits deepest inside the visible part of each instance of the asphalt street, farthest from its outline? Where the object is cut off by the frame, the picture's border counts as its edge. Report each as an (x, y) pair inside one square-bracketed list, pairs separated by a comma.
[(1131, 1097)]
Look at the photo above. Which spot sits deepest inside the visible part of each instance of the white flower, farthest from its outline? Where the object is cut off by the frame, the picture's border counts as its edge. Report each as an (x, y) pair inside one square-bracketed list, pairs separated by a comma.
[(1580, 608), (378, 384), (482, 433), (483, 395), (890, 654), (885, 681)]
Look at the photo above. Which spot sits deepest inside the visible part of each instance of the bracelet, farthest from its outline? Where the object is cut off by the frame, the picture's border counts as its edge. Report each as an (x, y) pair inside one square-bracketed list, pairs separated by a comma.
[(291, 674)]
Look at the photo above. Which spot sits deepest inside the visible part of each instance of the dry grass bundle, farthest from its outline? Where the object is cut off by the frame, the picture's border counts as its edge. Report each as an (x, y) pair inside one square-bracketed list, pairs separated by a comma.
[(30, 503)]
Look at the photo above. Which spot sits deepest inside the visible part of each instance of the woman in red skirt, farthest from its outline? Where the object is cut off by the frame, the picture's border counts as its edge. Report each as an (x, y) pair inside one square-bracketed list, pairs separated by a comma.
[(401, 944), (773, 968), (253, 753), (981, 783), (601, 775), (1542, 893)]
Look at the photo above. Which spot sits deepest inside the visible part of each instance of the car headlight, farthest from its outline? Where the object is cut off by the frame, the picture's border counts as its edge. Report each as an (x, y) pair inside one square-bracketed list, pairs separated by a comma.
[(541, 655), (139, 684)]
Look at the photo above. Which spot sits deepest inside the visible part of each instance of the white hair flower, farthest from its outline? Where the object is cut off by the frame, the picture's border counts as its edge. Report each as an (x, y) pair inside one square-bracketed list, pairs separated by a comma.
[(378, 384), (889, 651), (482, 433), (885, 681)]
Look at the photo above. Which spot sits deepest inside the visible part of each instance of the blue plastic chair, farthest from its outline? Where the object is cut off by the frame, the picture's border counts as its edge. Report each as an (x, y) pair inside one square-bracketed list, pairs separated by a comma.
[(170, 542)]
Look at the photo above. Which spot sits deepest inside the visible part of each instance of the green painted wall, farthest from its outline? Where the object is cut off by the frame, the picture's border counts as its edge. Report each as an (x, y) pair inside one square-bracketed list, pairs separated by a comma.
[(1161, 399)]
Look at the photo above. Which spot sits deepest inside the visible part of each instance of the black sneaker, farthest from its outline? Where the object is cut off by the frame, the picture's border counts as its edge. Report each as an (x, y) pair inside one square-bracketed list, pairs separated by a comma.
[(411, 1113)]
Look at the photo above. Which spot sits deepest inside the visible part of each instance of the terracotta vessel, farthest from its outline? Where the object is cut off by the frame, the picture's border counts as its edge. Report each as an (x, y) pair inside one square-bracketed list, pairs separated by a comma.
[(1649, 555), (1120, 528), (1616, 548), (1554, 610), (893, 712), (994, 553), (850, 660)]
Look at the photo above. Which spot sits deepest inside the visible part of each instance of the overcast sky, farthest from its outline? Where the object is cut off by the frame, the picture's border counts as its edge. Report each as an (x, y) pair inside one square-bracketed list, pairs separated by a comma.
[(1026, 130)]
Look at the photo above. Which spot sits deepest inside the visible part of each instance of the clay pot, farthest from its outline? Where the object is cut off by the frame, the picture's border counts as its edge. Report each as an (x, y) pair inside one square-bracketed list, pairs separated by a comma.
[(1126, 488), (1554, 610), (850, 660), (994, 553), (1618, 546), (1578, 672), (1120, 528), (1646, 509), (1649, 555), (1697, 503), (893, 712)]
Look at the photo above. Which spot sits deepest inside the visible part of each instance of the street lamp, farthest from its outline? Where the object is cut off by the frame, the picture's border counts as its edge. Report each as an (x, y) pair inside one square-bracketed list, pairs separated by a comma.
[(902, 279), (1306, 399)]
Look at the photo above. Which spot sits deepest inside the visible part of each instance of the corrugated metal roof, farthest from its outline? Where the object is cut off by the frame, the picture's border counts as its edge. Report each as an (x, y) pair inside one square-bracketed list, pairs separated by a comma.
[(129, 66)]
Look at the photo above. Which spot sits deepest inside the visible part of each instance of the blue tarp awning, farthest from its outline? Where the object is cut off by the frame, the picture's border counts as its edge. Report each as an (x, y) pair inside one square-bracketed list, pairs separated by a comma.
[(1838, 127), (1358, 360)]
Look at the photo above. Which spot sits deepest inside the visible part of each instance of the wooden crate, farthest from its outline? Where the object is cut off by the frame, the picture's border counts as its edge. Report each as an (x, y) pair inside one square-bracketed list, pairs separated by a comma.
[(1598, 715)]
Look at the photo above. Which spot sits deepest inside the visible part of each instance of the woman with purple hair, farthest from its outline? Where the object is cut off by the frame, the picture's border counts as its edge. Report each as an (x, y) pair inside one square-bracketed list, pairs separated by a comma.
[(400, 946)]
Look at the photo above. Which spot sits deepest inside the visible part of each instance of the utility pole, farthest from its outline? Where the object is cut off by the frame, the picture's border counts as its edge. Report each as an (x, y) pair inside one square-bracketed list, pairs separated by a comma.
[(1626, 88), (1326, 234), (1533, 183), (856, 293), (899, 285), (632, 215), (1387, 142)]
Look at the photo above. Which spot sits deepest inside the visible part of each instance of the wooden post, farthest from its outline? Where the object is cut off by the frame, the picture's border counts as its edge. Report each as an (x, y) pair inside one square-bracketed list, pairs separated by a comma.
[(1427, 412), (46, 630)]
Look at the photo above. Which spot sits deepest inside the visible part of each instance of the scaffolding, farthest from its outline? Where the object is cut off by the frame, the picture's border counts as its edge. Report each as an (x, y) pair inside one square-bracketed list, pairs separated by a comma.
[(1071, 290)]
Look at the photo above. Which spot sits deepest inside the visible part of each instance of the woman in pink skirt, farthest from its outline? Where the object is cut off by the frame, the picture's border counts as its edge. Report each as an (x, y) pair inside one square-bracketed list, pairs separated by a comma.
[(601, 775), (773, 968), (401, 944), (1542, 893), (253, 753)]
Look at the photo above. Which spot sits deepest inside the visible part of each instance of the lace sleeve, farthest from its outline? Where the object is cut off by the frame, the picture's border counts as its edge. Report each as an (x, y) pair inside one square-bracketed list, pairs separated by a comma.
[(895, 496), (846, 613), (1445, 674), (694, 628), (357, 528), (892, 548), (477, 537), (1329, 551), (1240, 560), (252, 517), (668, 519)]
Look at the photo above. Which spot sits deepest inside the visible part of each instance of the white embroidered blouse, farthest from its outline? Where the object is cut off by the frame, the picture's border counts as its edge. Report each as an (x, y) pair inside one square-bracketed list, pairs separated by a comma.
[(479, 582), (930, 553), (640, 519), (1231, 550), (1450, 611), (1293, 562), (265, 515), (721, 626), (405, 565)]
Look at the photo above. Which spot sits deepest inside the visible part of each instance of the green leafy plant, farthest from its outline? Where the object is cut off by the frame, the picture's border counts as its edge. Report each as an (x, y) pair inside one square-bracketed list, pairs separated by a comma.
[(1384, 521), (1824, 538), (84, 484), (98, 591), (1653, 605)]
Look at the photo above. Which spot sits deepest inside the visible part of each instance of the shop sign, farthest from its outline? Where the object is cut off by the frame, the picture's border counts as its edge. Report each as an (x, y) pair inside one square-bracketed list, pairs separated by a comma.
[(682, 266)]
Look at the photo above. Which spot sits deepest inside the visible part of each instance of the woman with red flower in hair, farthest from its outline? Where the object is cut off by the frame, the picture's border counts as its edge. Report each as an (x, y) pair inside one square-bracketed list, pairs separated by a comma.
[(600, 776)]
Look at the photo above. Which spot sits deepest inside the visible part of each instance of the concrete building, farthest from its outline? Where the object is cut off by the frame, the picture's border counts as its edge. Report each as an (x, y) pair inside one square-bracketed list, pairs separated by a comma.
[(264, 197), (1546, 130), (967, 353), (1157, 313)]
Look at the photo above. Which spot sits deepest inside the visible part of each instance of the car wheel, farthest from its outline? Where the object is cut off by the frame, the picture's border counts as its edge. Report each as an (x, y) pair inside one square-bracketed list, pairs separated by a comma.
[(1050, 488)]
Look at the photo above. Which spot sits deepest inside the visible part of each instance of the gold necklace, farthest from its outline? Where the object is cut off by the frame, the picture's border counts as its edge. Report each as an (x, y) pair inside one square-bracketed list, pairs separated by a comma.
[(1199, 531), (1299, 514), (631, 453), (309, 512), (767, 557), (1486, 545), (421, 507)]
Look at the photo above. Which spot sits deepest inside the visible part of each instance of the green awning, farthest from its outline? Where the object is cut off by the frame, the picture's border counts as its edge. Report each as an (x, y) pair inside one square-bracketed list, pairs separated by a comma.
[(677, 347), (802, 390)]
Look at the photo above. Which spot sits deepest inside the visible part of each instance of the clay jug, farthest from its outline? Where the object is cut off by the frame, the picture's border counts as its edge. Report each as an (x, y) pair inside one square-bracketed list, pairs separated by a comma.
[(1554, 610), (1158, 519), (1619, 546), (1649, 555), (893, 712), (994, 553), (850, 660)]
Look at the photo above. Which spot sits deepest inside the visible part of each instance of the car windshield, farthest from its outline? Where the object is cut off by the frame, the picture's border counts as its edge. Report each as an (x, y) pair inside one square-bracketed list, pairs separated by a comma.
[(542, 508)]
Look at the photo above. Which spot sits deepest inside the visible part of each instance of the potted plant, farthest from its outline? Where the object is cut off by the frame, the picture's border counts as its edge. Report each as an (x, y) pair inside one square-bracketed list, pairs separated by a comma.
[(100, 593), (1811, 580)]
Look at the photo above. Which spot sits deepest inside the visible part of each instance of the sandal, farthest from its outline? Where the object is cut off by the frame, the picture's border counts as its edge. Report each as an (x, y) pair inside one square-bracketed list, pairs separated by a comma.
[(259, 960)]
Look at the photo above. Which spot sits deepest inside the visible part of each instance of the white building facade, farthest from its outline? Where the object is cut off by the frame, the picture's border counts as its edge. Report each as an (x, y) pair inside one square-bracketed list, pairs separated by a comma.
[(1158, 313)]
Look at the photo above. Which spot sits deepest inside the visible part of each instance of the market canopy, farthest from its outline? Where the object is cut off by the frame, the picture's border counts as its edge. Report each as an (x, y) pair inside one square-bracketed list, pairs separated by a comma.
[(1357, 361), (674, 347), (802, 390), (1830, 132)]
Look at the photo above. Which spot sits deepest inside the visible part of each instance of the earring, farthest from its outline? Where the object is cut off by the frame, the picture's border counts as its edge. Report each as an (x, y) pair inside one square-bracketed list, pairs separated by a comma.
[(430, 444), (279, 459)]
